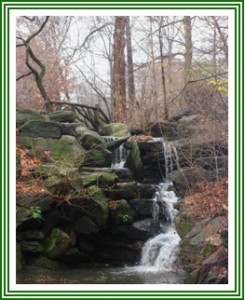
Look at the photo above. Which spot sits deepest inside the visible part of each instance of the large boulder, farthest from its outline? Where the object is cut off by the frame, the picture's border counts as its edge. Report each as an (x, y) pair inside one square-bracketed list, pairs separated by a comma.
[(98, 206), (164, 129), (144, 207), (115, 129), (134, 162), (66, 149), (31, 247), (98, 156), (88, 138), (24, 115), (144, 229), (40, 128), (85, 226), (66, 116), (102, 179), (123, 190), (57, 243)]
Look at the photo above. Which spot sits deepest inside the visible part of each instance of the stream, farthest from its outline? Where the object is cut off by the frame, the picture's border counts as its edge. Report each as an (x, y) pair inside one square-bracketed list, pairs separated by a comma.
[(158, 258)]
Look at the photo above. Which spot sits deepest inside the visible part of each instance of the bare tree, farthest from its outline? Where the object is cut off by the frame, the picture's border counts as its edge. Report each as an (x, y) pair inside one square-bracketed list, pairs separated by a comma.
[(119, 85)]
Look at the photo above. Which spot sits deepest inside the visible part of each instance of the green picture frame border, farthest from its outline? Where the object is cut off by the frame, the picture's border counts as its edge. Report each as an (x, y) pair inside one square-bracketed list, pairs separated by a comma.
[(238, 8)]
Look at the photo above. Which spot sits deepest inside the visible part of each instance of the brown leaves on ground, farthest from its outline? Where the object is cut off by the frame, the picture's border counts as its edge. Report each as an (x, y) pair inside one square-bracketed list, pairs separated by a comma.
[(141, 138), (26, 161), (23, 185), (212, 199)]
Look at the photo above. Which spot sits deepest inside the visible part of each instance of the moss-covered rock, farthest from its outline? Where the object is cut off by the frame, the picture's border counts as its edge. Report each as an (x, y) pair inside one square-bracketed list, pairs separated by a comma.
[(40, 128), (183, 224), (62, 116), (25, 115), (98, 207), (98, 157), (57, 185), (120, 212), (102, 179), (57, 243), (66, 150), (116, 129), (88, 138), (123, 190), (134, 162)]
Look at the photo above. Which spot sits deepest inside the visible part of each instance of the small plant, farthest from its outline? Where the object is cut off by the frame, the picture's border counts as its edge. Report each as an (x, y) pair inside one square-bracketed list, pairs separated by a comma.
[(125, 218), (36, 212)]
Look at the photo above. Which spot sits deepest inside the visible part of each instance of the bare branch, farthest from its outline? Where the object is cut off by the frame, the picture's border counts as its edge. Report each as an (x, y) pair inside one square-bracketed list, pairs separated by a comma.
[(24, 75)]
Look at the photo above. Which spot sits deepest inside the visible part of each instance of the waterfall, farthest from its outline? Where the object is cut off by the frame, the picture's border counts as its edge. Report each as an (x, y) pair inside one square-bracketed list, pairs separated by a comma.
[(119, 155), (170, 156), (161, 251)]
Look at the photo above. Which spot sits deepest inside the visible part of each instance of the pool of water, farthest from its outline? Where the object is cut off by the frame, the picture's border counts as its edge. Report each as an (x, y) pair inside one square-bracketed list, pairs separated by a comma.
[(99, 275)]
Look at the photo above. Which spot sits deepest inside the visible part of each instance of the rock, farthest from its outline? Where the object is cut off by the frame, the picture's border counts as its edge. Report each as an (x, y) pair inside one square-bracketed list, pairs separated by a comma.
[(209, 233), (134, 162), (98, 208), (39, 128), (224, 237), (183, 224), (98, 157), (102, 179), (85, 246), (120, 212), (144, 207), (115, 129), (214, 269), (185, 180), (44, 171), (146, 191), (57, 185), (88, 138), (18, 165), (143, 230), (19, 262), (34, 247), (86, 226), (46, 263), (57, 243), (36, 235), (62, 116), (123, 190), (164, 129), (74, 256), (66, 149), (152, 153), (25, 115)]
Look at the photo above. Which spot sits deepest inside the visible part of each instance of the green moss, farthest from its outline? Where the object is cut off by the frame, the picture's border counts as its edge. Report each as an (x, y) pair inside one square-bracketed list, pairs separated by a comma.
[(183, 225), (116, 129), (134, 162), (104, 179)]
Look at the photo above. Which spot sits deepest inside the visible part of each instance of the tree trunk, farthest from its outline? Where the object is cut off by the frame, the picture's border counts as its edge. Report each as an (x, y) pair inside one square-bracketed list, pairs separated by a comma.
[(119, 85), (130, 67), (188, 53)]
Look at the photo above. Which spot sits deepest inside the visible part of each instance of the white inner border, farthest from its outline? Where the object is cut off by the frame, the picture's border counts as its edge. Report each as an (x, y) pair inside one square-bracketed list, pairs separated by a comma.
[(115, 287)]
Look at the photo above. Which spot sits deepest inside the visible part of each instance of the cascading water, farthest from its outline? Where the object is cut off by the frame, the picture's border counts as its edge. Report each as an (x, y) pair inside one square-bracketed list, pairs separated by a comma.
[(119, 155), (160, 252)]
